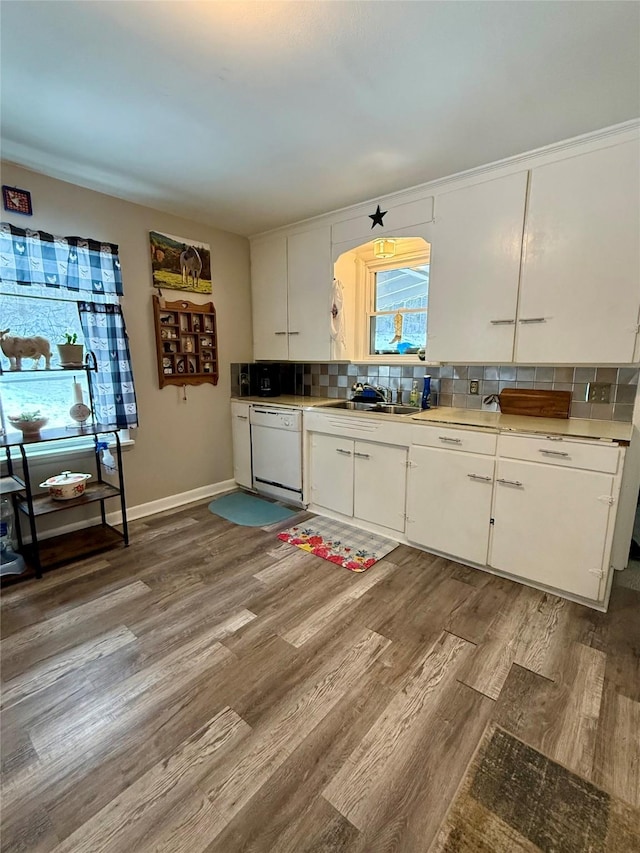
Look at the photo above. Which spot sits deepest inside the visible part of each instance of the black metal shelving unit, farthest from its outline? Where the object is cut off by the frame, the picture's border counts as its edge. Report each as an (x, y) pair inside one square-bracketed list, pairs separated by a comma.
[(61, 549)]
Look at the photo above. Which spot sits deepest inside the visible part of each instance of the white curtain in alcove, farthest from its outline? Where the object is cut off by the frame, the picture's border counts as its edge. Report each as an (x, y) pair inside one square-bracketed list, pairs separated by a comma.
[(338, 340)]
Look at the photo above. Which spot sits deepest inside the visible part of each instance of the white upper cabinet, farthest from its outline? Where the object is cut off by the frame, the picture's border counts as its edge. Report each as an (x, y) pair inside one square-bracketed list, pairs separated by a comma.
[(538, 266), (310, 279), (291, 281), (580, 290), (395, 218), (269, 298), (475, 266)]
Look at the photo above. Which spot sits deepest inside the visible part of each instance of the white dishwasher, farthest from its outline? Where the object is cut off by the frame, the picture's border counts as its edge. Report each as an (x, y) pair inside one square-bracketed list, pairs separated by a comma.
[(276, 452)]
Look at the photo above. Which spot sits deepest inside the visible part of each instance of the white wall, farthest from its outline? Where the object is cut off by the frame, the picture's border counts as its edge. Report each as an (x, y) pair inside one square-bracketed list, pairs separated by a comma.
[(179, 446)]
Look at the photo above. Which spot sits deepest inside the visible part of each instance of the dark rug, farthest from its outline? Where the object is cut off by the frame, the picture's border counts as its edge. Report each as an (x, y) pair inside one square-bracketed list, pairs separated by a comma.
[(513, 799)]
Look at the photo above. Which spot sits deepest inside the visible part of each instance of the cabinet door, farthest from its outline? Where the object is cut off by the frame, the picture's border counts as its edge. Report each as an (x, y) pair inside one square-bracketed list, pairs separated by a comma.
[(449, 502), (475, 265), (331, 472), (269, 298), (241, 437), (380, 474), (580, 289), (550, 525), (310, 280)]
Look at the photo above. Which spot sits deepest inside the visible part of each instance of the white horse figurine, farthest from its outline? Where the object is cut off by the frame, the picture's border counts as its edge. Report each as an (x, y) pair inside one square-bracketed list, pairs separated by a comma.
[(191, 265), (16, 349)]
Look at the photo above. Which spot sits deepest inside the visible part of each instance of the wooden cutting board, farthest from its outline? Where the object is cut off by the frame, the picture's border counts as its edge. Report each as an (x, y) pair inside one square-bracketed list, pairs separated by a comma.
[(534, 403)]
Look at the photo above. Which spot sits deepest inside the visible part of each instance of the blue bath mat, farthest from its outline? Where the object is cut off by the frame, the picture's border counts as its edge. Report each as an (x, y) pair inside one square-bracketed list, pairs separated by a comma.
[(241, 508)]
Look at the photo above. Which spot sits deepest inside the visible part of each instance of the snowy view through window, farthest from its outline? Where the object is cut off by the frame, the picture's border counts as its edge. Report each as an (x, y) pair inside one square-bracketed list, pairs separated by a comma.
[(402, 291), (50, 392)]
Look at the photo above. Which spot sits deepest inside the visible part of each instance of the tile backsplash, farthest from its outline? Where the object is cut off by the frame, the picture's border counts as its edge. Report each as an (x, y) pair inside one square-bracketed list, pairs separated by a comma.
[(336, 379)]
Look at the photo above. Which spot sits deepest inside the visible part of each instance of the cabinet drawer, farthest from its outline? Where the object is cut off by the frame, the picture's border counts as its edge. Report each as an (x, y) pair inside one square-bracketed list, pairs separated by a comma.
[(240, 410), (555, 450), (455, 439)]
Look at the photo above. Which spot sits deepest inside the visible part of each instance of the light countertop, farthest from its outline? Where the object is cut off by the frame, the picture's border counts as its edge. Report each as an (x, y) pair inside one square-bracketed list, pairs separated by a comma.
[(287, 400), (494, 421), (576, 427)]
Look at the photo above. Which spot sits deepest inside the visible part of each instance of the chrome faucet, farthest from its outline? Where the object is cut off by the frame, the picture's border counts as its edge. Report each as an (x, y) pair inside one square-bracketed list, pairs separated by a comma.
[(382, 393)]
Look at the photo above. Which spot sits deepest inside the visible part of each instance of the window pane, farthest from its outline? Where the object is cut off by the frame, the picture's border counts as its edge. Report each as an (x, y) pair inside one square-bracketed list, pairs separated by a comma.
[(414, 334), (28, 390), (50, 318), (51, 393), (402, 288)]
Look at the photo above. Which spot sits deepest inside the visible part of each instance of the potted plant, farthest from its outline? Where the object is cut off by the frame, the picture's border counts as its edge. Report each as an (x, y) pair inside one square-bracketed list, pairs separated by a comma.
[(70, 352), (28, 422)]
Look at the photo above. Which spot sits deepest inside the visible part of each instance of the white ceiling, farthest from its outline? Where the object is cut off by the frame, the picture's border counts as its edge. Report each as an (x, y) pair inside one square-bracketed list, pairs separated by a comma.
[(250, 115)]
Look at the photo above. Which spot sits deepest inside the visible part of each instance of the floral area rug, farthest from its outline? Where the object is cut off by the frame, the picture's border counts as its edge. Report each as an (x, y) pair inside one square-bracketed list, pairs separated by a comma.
[(342, 544)]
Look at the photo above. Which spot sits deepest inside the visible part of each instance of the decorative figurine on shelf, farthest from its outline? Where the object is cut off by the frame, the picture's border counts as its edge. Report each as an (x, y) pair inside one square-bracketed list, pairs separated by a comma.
[(16, 349), (79, 412)]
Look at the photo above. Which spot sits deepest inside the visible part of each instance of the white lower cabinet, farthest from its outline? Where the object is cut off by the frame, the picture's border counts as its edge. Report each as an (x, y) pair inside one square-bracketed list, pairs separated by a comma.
[(379, 483), (241, 440), (551, 525), (449, 502), (331, 472), (359, 479), (539, 508)]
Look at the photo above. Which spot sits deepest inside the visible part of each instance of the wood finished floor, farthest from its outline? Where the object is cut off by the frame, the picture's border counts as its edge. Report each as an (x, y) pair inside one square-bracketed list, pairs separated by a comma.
[(213, 689)]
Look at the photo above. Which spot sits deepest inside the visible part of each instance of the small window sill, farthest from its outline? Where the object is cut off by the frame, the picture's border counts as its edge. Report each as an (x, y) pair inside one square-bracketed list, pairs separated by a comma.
[(394, 359), (73, 447)]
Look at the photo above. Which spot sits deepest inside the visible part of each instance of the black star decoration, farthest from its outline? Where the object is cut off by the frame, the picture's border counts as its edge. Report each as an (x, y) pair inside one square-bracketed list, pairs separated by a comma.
[(377, 217)]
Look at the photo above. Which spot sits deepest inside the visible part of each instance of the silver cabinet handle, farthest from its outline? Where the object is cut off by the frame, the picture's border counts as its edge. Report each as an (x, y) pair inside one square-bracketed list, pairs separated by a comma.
[(362, 455), (554, 452), (532, 320), (243, 417), (509, 482), (340, 450), (502, 322), (293, 333), (450, 440), (279, 333), (479, 477)]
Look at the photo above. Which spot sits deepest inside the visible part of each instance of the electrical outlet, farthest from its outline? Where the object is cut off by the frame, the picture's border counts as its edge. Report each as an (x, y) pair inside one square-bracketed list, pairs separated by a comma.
[(598, 392), (474, 386)]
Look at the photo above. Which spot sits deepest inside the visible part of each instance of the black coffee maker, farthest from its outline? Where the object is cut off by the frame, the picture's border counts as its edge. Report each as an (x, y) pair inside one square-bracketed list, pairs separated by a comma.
[(265, 380)]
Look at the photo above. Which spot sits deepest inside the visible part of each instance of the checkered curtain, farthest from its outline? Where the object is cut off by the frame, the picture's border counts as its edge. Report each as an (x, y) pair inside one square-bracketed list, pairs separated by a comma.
[(114, 396), (36, 259)]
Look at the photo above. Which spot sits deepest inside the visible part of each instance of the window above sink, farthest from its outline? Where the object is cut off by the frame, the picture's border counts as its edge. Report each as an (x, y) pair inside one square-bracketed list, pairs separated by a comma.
[(398, 309), (388, 300)]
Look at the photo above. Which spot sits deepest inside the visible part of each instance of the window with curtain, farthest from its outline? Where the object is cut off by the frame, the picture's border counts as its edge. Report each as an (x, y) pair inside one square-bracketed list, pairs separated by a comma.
[(50, 286)]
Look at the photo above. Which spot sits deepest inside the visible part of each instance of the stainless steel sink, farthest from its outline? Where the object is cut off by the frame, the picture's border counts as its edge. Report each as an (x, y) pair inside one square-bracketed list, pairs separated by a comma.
[(377, 407)]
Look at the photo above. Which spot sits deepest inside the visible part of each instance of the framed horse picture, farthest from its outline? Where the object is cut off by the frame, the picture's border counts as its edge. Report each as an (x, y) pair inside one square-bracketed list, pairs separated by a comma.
[(178, 263)]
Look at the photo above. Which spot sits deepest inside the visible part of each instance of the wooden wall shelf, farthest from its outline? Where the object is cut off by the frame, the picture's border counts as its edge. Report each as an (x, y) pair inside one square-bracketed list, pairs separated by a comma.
[(186, 342)]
